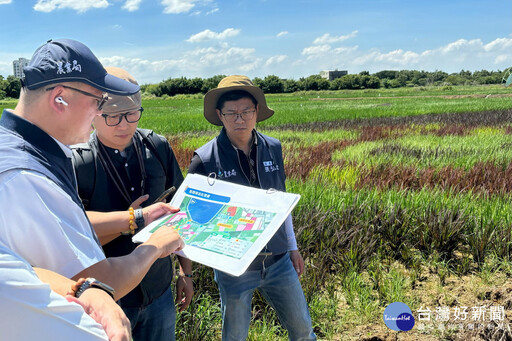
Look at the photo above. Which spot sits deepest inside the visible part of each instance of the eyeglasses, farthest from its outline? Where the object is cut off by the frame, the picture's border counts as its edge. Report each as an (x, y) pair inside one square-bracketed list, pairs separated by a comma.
[(130, 117), (244, 115), (101, 99)]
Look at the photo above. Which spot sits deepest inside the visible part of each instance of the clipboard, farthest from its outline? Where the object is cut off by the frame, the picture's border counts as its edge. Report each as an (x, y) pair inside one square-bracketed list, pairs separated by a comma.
[(224, 225)]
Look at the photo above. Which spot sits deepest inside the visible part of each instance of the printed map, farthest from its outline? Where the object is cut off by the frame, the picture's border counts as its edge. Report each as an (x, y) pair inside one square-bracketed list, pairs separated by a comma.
[(217, 226)]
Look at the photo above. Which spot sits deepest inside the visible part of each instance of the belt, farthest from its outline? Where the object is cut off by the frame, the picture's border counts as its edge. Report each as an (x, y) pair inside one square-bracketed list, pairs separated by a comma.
[(264, 260)]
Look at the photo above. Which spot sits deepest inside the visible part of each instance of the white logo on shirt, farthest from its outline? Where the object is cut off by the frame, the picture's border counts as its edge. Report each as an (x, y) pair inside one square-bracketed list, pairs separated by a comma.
[(226, 174), (270, 166)]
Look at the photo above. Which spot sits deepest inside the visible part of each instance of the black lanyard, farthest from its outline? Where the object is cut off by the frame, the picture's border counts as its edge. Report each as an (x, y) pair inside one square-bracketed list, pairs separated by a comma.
[(111, 170)]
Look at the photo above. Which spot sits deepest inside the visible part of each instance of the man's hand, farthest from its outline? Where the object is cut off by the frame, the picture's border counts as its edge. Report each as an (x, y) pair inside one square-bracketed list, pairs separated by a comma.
[(155, 211), (297, 261), (102, 308), (166, 240), (184, 292), (136, 204)]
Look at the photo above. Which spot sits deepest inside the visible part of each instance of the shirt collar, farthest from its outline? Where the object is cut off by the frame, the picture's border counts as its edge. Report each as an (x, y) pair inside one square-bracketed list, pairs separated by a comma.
[(254, 141), (65, 148)]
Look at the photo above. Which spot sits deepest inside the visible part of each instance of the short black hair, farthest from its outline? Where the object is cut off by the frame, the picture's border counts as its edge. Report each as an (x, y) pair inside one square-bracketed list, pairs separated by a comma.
[(235, 95)]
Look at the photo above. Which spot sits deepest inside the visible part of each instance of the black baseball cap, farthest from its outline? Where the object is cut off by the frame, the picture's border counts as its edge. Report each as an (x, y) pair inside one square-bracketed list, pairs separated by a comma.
[(67, 60)]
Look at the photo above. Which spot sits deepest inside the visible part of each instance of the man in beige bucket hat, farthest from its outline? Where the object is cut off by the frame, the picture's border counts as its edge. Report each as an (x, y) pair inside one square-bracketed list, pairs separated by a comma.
[(242, 155), (122, 170)]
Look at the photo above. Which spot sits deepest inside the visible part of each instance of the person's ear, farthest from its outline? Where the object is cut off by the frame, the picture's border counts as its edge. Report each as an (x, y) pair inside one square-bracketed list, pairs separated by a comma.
[(55, 100), (60, 100), (219, 114)]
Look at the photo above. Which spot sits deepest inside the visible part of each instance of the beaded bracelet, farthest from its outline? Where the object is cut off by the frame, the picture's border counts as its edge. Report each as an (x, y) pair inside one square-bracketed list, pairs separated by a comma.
[(132, 220)]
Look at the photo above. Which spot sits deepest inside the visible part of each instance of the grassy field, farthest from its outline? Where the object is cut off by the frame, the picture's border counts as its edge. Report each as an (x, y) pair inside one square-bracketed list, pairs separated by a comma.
[(405, 197)]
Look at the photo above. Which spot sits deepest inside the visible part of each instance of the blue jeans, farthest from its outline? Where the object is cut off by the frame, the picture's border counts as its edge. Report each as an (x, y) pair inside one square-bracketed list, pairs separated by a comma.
[(154, 322), (280, 286)]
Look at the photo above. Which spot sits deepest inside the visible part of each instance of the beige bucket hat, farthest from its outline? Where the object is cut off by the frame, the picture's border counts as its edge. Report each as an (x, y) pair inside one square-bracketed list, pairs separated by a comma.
[(121, 104), (231, 83)]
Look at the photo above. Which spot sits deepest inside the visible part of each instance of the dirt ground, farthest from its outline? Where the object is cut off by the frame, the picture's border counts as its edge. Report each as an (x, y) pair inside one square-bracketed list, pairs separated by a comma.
[(491, 299)]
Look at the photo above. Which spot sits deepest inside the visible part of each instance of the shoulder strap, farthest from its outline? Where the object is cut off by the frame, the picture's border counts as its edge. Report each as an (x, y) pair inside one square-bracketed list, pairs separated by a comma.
[(85, 169), (155, 144)]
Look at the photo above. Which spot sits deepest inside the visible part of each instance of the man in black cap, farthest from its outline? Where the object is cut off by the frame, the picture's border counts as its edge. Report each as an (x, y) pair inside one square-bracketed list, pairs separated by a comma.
[(64, 88)]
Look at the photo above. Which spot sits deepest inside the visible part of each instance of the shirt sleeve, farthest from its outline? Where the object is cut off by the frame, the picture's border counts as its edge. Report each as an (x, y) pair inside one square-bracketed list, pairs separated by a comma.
[(196, 166), (290, 234), (45, 314), (42, 224)]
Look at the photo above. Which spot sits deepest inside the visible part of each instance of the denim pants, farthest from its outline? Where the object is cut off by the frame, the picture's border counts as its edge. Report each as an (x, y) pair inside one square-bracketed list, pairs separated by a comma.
[(280, 286), (156, 321)]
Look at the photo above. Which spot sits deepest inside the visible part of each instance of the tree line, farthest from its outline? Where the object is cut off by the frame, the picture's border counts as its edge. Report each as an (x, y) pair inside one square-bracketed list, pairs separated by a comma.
[(10, 87), (362, 80)]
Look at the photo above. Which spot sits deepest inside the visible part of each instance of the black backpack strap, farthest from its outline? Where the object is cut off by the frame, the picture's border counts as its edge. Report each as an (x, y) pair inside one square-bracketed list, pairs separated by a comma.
[(156, 145), (84, 162)]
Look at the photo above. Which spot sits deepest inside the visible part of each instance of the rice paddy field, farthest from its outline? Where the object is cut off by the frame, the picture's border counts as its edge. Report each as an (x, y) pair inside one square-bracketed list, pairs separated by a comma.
[(406, 197)]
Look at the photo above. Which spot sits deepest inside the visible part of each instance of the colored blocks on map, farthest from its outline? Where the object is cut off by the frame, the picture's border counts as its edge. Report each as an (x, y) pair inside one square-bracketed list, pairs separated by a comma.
[(231, 210)]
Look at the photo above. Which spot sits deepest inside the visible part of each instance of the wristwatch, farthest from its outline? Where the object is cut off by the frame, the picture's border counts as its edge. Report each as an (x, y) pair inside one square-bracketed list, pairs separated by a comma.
[(139, 218), (94, 283)]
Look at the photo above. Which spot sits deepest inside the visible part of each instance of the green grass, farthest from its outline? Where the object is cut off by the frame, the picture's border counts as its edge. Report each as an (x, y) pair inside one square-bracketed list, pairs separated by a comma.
[(319, 192), (422, 151)]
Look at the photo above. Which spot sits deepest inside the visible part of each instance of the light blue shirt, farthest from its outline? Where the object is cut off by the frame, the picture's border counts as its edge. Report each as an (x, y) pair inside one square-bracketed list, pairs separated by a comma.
[(30, 310), (41, 222)]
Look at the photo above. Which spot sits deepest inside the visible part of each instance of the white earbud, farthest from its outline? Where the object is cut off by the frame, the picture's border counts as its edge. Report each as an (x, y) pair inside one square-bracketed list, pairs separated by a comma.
[(60, 100)]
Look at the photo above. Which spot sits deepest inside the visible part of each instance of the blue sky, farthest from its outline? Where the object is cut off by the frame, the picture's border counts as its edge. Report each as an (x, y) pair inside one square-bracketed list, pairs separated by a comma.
[(158, 39)]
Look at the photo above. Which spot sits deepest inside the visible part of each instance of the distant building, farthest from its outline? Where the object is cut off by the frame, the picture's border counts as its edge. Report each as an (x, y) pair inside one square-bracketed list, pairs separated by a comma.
[(332, 75), (17, 67)]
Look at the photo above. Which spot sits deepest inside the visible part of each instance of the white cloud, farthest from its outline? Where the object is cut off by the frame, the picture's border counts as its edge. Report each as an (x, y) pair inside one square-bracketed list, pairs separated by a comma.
[(5, 2), (500, 44), (178, 6), (221, 58), (345, 50), (452, 57), (316, 50), (131, 5), (207, 35), (503, 59), (79, 6), (275, 60), (399, 57), (5, 69), (215, 10), (200, 62), (283, 33), (328, 39)]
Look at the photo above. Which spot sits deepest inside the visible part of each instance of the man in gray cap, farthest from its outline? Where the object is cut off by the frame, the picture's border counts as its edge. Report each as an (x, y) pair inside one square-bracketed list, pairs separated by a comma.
[(122, 170), (65, 87)]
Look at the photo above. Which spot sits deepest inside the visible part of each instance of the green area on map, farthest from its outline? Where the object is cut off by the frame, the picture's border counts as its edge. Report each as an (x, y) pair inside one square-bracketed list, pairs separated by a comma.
[(230, 230)]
